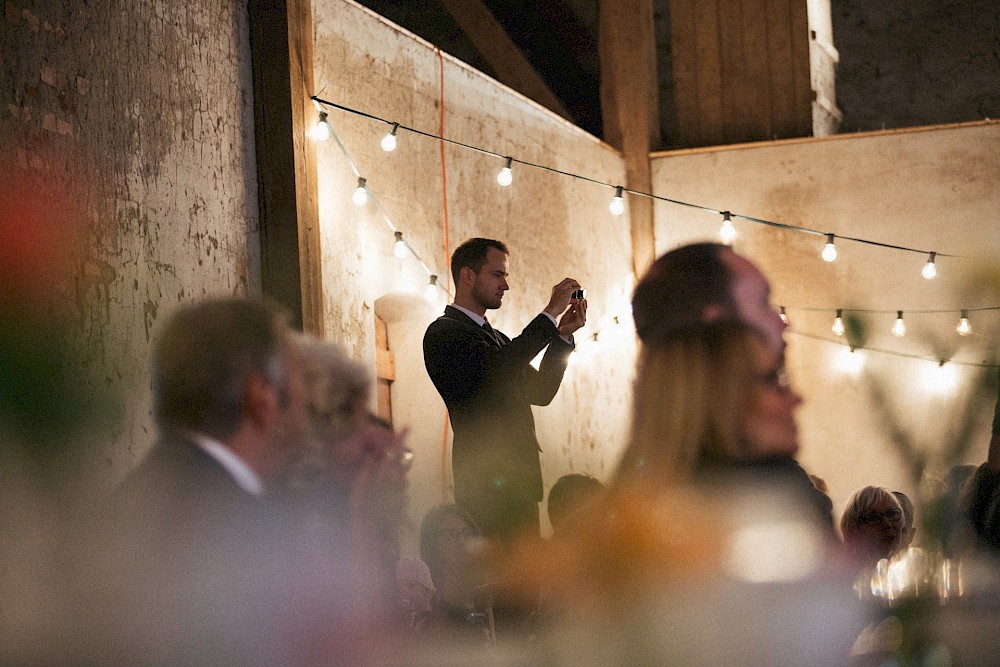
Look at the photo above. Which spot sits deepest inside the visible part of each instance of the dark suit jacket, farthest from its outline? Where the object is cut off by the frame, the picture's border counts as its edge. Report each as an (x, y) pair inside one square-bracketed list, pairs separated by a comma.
[(489, 389), (194, 568)]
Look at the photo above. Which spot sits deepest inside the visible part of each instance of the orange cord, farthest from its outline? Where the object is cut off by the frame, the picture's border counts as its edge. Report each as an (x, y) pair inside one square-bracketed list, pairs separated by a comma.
[(447, 256)]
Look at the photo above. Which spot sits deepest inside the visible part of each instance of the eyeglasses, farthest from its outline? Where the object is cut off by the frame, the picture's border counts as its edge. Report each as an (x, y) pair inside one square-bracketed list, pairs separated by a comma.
[(457, 534), (875, 518)]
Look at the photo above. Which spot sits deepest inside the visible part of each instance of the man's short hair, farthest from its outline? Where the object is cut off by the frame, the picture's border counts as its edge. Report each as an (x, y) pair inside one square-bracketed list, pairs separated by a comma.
[(569, 494), (204, 358), (676, 289), (472, 253)]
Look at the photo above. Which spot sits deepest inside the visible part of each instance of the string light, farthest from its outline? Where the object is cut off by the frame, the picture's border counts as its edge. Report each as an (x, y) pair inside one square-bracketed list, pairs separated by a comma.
[(929, 271), (829, 253), (322, 104), (727, 232), (399, 248), (838, 323), (430, 292), (402, 250), (617, 206), (360, 196), (899, 328), (506, 177), (321, 131), (964, 327), (388, 142)]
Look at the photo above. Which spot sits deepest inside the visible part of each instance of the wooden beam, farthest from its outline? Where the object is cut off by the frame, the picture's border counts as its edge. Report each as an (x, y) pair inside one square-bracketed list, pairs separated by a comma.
[(282, 66), (630, 107), (499, 50)]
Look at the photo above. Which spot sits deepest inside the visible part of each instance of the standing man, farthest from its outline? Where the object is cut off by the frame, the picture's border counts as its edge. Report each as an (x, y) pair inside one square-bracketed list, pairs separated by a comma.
[(489, 386)]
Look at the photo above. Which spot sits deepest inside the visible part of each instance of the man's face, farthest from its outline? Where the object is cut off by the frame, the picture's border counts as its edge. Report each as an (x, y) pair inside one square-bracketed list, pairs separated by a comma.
[(751, 295), (491, 281)]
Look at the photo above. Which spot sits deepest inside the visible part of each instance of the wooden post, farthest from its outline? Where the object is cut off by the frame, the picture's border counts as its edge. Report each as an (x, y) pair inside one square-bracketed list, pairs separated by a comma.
[(281, 60), (630, 107)]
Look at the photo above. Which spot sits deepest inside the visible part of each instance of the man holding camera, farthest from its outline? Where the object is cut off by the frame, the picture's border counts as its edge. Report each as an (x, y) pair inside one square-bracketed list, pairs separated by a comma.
[(489, 386)]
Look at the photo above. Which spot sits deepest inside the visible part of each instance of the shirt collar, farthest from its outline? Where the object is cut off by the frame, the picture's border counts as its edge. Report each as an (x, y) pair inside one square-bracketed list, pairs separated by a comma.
[(238, 469), (478, 319)]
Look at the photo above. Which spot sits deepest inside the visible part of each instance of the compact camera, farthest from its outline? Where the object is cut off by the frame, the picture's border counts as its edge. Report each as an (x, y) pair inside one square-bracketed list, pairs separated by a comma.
[(579, 294)]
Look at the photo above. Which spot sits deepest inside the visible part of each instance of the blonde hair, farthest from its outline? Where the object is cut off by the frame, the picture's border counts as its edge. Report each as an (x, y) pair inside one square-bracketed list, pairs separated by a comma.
[(689, 394), (336, 387)]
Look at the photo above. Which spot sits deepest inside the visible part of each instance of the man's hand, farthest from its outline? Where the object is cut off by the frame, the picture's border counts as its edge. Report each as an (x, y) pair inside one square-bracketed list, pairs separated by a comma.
[(574, 318), (561, 297)]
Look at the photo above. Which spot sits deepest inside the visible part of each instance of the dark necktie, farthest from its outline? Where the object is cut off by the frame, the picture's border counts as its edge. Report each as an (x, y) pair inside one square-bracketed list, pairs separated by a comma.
[(492, 333)]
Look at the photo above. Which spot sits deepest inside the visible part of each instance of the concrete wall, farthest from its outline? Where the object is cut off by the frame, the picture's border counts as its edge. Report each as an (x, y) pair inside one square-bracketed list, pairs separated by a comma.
[(933, 189), (555, 227), (143, 112)]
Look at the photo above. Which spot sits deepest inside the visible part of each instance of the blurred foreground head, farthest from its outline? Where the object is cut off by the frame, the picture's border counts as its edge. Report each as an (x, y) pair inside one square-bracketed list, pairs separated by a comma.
[(710, 394), (702, 283), (228, 369)]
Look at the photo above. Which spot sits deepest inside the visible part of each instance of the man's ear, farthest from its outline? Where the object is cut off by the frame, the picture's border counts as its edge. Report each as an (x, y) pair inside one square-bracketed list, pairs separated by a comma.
[(262, 401), (466, 275), (712, 312)]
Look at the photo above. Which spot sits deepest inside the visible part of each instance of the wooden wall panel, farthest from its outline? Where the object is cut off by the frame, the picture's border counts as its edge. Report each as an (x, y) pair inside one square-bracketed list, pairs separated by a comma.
[(741, 70)]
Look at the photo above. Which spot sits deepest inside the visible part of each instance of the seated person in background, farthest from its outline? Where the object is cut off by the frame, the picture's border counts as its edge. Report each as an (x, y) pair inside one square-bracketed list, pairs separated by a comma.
[(909, 515), (453, 547), (982, 494), (872, 525), (570, 497), (346, 496), (414, 591)]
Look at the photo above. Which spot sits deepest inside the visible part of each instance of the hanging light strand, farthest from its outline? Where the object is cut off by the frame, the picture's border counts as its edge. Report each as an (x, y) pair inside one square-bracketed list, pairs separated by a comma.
[(761, 221)]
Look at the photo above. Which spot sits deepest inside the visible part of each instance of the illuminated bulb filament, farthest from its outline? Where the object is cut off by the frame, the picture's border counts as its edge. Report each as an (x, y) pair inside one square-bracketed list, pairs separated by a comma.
[(899, 328), (930, 270), (727, 232), (506, 177), (430, 292), (360, 196), (388, 142), (321, 132), (838, 324), (829, 253), (964, 327), (399, 248), (617, 206)]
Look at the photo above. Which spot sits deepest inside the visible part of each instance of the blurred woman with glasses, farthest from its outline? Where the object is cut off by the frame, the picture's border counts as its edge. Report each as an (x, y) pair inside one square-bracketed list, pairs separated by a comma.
[(873, 525)]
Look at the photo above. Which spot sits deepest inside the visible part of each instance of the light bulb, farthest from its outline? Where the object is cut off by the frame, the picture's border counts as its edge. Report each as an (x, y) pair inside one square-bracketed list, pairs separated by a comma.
[(783, 316), (964, 327), (388, 142), (431, 291), (899, 328), (360, 196), (929, 271), (617, 206), (727, 232), (399, 248), (838, 323), (829, 253), (321, 131), (506, 177)]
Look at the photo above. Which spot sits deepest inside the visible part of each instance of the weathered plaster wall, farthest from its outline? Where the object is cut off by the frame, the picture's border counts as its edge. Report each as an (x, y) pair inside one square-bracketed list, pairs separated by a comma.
[(146, 107), (555, 226), (929, 189)]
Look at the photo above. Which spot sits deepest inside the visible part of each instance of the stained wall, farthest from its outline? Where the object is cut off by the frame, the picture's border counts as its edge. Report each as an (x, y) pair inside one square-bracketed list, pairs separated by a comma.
[(138, 117)]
